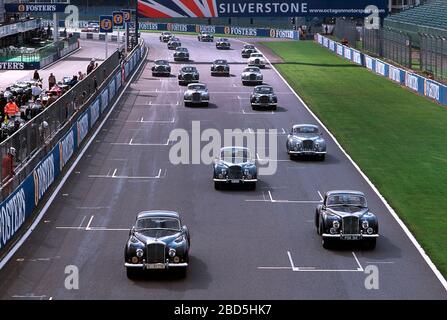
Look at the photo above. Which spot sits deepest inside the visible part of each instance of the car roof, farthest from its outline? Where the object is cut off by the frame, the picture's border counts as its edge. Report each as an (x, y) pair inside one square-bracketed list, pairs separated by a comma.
[(263, 86), (251, 67), (158, 213), (358, 193), (195, 84), (234, 147), (304, 125)]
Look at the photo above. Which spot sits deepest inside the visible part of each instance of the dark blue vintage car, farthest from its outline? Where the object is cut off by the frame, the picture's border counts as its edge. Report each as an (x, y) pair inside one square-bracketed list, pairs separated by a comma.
[(158, 240), (344, 216), (235, 166)]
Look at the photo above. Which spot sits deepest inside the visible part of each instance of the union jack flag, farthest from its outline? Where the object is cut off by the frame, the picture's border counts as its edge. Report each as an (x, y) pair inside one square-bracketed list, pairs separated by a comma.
[(177, 8)]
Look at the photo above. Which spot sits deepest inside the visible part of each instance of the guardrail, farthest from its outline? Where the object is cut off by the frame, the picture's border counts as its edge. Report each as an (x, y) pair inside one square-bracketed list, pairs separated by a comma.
[(421, 85), (45, 168)]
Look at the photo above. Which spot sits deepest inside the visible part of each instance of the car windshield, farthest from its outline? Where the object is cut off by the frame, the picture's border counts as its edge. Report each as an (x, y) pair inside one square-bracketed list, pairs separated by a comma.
[(220, 62), (224, 40), (196, 87), (235, 155), (167, 33), (346, 200), (189, 69), (264, 90), (249, 47), (256, 55), (157, 223), (163, 62), (256, 70), (306, 130)]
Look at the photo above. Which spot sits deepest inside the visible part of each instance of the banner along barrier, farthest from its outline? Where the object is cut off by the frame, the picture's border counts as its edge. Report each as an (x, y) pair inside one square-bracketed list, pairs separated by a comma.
[(423, 86), (19, 206)]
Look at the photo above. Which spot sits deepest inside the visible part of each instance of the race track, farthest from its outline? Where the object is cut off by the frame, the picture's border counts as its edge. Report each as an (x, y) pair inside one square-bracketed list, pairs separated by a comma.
[(245, 244)]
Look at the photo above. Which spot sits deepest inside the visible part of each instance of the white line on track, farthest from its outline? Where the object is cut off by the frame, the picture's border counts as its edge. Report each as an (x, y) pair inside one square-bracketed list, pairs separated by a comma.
[(131, 143), (272, 200)]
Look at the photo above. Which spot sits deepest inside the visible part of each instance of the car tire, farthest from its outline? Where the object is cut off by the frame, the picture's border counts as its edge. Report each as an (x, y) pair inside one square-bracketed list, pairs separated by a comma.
[(244, 83), (217, 185), (252, 186), (326, 243), (370, 244), (131, 273), (187, 104), (320, 227), (206, 104), (182, 272)]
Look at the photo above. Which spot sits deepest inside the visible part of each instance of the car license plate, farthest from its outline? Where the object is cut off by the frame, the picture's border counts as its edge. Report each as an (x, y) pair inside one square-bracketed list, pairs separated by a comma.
[(234, 181), (155, 266), (350, 237)]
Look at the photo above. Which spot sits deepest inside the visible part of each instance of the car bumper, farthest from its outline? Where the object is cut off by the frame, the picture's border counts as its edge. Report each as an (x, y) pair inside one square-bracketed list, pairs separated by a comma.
[(146, 266), (188, 81), (161, 72), (306, 152), (181, 58), (235, 180), (269, 104), (196, 102), (220, 72), (252, 81), (347, 236)]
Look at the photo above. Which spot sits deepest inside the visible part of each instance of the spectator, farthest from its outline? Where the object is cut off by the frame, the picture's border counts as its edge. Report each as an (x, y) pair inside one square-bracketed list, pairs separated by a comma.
[(8, 164), (3, 103), (91, 66), (73, 81), (35, 91), (326, 29), (80, 76), (36, 76), (49, 32), (64, 33), (11, 108), (51, 81), (95, 83)]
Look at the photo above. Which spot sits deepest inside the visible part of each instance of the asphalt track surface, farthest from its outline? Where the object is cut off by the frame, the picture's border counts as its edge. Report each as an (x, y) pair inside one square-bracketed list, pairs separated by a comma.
[(244, 246)]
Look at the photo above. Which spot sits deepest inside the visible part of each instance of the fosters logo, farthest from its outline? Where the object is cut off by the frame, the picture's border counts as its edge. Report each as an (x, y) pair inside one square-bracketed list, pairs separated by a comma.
[(43, 178), (277, 33), (21, 8)]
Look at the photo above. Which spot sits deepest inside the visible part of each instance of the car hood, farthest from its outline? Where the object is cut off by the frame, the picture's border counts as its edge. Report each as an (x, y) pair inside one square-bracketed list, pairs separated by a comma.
[(344, 211), (165, 236), (231, 164), (249, 73), (255, 58), (195, 91), (306, 137)]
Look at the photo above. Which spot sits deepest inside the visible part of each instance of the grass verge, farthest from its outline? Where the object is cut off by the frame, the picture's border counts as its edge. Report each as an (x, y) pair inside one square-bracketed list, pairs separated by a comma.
[(398, 138)]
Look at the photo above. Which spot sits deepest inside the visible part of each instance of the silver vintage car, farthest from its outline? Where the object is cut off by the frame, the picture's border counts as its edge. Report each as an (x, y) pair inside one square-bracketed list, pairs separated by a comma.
[(257, 60), (306, 139), (196, 94), (174, 43), (252, 75), (181, 54), (248, 50)]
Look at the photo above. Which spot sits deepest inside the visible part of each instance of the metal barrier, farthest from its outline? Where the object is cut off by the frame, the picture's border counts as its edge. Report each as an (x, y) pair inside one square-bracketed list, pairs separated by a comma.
[(390, 44), (433, 55), (34, 136)]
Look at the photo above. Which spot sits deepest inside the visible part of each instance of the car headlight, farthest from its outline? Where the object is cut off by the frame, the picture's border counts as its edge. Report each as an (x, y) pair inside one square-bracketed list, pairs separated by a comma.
[(179, 239), (365, 224), (139, 253), (336, 224), (172, 252)]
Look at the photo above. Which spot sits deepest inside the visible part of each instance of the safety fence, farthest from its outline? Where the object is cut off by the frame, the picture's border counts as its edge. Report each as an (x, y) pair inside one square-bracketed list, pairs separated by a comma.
[(433, 55), (38, 174), (409, 79)]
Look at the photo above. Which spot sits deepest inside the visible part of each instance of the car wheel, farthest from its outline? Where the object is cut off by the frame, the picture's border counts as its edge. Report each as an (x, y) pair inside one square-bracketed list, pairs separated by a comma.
[(274, 108), (217, 185), (252, 186), (322, 157), (370, 244), (244, 83), (206, 104), (131, 273), (253, 107), (293, 157), (186, 104), (182, 272), (320, 230)]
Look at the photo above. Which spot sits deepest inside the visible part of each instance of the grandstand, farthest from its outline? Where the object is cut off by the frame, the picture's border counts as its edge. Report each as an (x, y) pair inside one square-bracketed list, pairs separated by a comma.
[(429, 18)]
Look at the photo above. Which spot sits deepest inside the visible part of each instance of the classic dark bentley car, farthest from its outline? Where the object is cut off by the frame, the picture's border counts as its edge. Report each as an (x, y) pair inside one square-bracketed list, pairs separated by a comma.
[(174, 43), (220, 67), (306, 139), (223, 43), (161, 67), (256, 60), (157, 241), (188, 74), (248, 50), (166, 36), (196, 94), (205, 37), (181, 54), (252, 75), (235, 166), (263, 96), (344, 215)]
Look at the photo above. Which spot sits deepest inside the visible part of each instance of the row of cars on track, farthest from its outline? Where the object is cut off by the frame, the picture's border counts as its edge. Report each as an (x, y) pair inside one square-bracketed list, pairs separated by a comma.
[(158, 239)]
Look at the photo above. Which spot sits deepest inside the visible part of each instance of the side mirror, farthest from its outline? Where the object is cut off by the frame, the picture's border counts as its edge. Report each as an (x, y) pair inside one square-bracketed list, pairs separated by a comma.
[(153, 68)]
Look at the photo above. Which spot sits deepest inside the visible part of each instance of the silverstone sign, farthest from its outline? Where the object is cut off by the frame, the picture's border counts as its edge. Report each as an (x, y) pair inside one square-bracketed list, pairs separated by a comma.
[(257, 8)]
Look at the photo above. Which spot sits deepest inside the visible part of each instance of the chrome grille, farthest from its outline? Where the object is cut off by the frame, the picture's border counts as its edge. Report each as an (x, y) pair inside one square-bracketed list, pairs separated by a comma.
[(308, 144), (235, 172), (257, 61), (220, 68), (264, 99), (156, 253), (196, 97), (187, 76), (351, 225), (252, 77)]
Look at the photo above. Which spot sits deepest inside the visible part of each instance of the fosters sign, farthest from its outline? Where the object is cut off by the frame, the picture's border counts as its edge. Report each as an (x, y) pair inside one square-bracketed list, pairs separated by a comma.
[(35, 7)]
